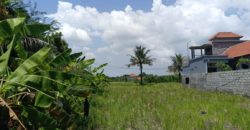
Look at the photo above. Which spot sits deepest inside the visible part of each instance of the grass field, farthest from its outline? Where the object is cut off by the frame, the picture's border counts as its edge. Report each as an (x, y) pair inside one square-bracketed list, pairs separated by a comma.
[(167, 106)]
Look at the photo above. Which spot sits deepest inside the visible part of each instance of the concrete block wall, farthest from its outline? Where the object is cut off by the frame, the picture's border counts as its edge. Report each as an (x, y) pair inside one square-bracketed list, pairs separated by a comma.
[(237, 82), (219, 48)]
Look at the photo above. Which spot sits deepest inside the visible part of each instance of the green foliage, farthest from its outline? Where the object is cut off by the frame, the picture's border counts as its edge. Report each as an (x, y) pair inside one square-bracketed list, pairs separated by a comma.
[(221, 66), (46, 89), (140, 57), (161, 79), (177, 63), (4, 59), (242, 61), (42, 100), (9, 27), (148, 78), (37, 28), (168, 106)]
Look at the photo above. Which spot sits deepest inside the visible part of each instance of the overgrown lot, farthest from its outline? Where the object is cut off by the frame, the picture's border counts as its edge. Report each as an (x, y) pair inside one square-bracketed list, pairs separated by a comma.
[(167, 106)]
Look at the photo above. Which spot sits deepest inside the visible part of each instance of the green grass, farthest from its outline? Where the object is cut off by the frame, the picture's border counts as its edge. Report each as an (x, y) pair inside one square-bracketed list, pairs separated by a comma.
[(127, 106)]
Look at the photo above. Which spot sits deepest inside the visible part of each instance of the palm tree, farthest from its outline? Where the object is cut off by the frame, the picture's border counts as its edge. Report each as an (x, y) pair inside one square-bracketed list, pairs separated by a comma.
[(139, 58), (177, 63)]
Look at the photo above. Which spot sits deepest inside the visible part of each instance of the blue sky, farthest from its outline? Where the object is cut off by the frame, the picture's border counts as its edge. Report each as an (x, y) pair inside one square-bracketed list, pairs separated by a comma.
[(108, 30), (50, 6)]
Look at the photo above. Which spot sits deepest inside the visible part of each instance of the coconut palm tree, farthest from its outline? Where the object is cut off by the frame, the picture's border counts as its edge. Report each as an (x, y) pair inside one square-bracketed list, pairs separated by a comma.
[(177, 63), (139, 58)]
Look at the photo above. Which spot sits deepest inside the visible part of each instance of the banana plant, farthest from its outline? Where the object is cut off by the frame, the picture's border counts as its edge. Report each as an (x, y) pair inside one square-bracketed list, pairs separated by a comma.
[(50, 89), (44, 90), (12, 85), (36, 89)]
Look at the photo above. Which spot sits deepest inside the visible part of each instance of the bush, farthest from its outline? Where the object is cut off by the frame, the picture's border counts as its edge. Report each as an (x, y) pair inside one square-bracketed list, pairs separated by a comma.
[(150, 78), (223, 67), (242, 61), (160, 79)]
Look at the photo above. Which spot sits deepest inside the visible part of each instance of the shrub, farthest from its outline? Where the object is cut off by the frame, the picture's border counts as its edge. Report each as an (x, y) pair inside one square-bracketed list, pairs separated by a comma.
[(242, 61), (223, 67)]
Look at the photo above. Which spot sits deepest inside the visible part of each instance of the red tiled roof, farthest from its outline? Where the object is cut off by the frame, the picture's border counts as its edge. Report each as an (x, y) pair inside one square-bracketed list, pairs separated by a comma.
[(238, 50), (132, 75), (221, 35)]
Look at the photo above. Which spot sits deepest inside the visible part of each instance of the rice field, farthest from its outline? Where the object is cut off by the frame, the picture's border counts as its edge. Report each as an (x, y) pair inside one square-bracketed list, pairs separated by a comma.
[(167, 106)]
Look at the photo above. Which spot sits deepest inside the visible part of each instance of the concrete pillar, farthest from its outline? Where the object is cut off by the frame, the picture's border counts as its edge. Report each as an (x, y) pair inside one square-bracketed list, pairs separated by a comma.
[(192, 53)]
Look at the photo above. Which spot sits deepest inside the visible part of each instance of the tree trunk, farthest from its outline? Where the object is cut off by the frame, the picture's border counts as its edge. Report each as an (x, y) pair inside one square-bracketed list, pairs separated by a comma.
[(86, 107), (179, 74), (141, 73)]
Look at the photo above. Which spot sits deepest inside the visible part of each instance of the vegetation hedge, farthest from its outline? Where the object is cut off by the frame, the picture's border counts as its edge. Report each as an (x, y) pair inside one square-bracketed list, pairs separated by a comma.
[(147, 78)]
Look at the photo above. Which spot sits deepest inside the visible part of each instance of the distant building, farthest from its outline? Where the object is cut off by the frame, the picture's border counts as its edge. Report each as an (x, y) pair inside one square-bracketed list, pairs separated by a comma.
[(226, 47), (132, 77)]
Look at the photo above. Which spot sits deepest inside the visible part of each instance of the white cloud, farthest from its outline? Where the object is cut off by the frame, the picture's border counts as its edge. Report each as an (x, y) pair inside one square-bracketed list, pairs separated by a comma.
[(165, 29), (71, 33)]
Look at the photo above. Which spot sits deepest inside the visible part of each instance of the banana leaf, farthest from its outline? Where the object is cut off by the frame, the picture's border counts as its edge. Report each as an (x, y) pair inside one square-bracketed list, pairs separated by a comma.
[(64, 58), (26, 67), (37, 29), (31, 63), (9, 27), (42, 100), (4, 59), (99, 67)]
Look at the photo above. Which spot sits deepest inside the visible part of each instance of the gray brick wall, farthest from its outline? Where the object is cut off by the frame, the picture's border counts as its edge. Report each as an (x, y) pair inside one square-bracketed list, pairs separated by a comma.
[(219, 48), (237, 82)]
